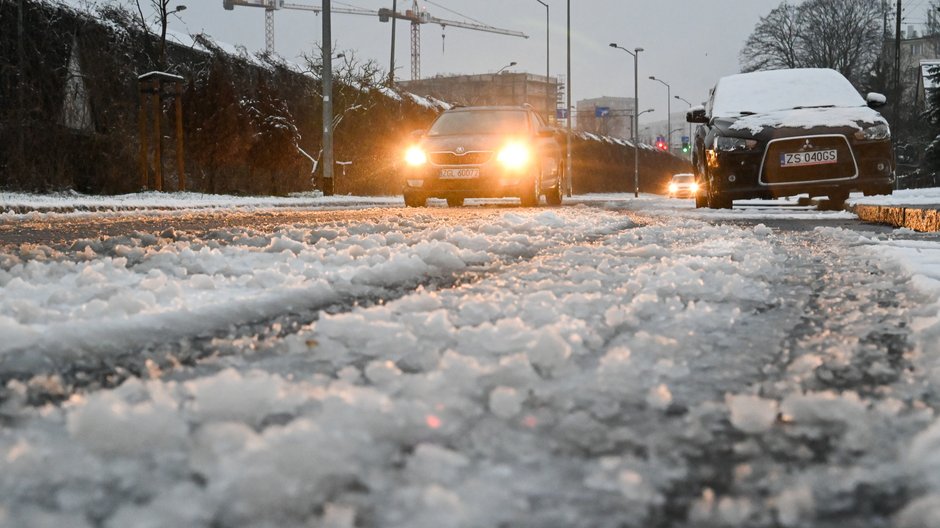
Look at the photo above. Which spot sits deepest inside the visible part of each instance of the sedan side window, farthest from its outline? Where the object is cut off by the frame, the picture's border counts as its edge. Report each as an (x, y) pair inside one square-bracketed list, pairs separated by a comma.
[(535, 121)]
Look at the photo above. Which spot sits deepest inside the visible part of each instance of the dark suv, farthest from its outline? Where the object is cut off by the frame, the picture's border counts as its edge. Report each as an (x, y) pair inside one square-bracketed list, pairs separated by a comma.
[(785, 132), (484, 152)]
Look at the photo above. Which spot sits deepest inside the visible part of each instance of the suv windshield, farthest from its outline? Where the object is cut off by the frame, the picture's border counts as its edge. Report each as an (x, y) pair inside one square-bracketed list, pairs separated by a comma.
[(683, 178), (481, 122)]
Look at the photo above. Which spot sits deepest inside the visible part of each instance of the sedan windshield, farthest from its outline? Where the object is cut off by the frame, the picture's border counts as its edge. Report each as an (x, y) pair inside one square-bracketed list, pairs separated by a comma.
[(486, 122)]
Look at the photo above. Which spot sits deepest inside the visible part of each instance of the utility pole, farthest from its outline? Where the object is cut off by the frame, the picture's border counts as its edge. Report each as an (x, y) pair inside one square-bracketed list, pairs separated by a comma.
[(327, 80), (897, 70), (391, 63), (20, 85)]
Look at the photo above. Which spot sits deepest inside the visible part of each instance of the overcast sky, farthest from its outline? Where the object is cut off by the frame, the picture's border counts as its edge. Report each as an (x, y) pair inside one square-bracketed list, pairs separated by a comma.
[(688, 43)]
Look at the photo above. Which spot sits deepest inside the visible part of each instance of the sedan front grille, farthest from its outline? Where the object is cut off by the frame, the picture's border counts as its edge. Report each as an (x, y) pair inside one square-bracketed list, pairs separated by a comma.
[(773, 173), (469, 158)]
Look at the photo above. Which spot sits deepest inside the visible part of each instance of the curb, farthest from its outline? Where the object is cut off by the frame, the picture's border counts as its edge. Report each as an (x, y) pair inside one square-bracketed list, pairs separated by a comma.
[(915, 218)]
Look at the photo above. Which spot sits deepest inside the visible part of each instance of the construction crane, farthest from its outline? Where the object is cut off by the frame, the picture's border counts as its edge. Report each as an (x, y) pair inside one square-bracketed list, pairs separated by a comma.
[(416, 16)]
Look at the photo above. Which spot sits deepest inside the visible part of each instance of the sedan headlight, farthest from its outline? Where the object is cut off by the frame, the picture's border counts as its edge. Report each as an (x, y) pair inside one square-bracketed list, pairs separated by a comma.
[(729, 144), (874, 133), (693, 187), (415, 156), (514, 156), (673, 187)]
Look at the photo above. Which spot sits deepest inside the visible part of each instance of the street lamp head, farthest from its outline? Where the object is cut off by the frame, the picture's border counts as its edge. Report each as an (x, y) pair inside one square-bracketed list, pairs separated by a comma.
[(638, 49), (180, 8), (513, 63), (614, 45), (652, 77)]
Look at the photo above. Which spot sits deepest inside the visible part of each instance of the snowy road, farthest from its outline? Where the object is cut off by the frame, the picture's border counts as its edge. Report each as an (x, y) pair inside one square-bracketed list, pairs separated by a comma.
[(617, 362)]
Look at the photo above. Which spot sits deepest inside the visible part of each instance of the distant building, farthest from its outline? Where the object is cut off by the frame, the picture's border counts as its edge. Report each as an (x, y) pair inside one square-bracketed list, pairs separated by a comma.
[(505, 88), (915, 51), (606, 116)]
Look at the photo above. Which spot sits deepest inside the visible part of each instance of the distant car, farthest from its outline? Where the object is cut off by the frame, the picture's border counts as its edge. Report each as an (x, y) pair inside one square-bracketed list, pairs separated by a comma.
[(682, 186), (786, 132), (485, 152)]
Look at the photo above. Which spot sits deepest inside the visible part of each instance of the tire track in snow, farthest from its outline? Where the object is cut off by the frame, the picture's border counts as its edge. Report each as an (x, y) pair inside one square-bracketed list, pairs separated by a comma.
[(52, 377), (839, 375)]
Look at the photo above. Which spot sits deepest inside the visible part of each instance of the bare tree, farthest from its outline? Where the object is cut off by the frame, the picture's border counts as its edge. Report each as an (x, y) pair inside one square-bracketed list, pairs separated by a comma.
[(933, 19), (162, 12), (844, 35), (775, 42)]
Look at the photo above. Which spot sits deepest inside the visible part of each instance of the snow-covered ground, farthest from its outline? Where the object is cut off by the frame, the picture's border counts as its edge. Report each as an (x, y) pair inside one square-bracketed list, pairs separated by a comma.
[(619, 362), (16, 205)]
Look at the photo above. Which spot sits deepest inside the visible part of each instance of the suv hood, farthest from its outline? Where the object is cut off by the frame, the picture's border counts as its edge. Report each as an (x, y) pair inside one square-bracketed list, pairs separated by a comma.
[(760, 126)]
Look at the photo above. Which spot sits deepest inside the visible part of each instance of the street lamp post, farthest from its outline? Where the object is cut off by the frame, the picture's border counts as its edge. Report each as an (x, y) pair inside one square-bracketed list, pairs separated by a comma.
[(327, 82), (636, 117), (391, 62), (497, 87), (568, 173), (548, 95), (668, 111), (690, 106)]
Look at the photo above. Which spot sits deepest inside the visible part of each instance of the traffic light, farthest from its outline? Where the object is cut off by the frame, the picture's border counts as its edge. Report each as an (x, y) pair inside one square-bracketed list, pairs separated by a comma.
[(685, 145), (661, 143)]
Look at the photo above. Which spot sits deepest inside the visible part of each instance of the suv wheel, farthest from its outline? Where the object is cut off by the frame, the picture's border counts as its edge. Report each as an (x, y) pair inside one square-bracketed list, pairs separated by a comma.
[(837, 198), (715, 198), (881, 189)]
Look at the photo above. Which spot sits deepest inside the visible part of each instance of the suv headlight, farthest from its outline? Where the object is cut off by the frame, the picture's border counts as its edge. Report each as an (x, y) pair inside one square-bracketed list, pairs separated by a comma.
[(415, 156), (729, 144), (874, 133), (514, 156)]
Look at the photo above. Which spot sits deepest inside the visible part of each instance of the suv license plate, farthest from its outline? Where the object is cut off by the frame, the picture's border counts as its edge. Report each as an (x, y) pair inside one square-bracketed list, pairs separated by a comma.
[(802, 159), (459, 174)]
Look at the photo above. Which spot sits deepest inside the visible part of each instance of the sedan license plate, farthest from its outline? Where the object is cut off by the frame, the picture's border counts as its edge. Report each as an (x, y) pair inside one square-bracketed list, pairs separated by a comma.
[(815, 157), (459, 174)]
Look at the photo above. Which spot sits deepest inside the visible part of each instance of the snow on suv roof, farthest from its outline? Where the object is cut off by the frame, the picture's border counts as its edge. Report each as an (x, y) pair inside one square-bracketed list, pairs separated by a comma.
[(768, 91)]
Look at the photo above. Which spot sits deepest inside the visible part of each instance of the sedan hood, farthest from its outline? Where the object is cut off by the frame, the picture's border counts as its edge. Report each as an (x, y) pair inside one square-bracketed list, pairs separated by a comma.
[(467, 143), (768, 125)]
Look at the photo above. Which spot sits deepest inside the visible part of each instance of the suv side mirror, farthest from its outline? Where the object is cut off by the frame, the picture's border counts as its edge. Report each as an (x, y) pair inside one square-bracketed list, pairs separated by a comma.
[(696, 114), (546, 132), (876, 100)]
